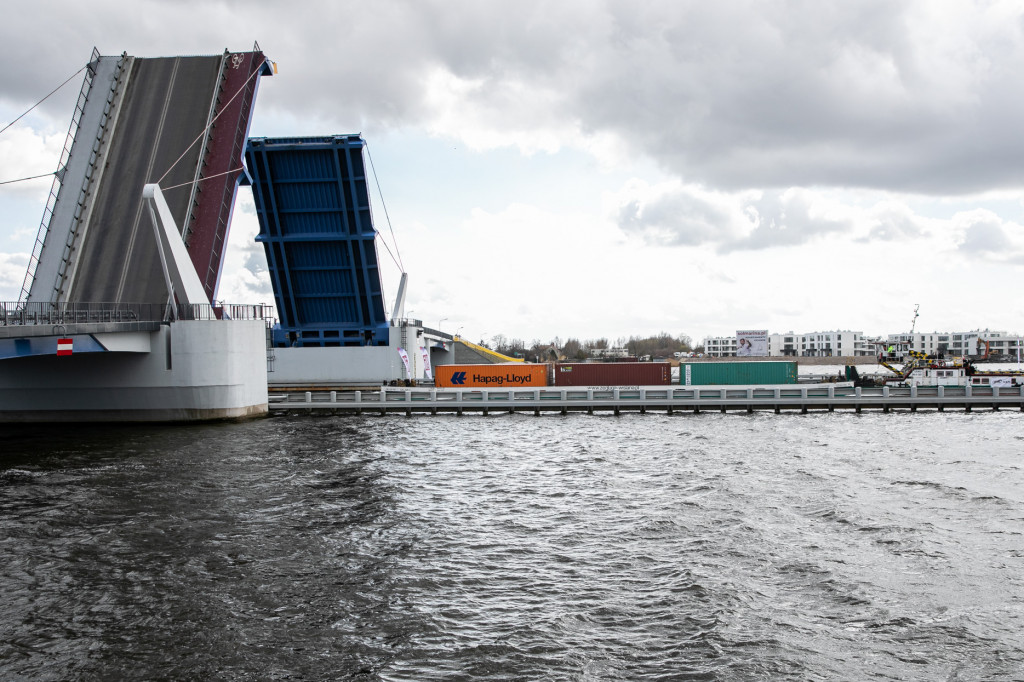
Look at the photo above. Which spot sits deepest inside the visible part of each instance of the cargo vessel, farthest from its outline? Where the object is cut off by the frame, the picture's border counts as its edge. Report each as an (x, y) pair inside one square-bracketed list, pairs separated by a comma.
[(922, 370)]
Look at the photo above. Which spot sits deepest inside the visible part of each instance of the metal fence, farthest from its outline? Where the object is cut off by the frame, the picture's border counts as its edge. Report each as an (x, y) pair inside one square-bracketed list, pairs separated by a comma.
[(14, 313), (802, 398)]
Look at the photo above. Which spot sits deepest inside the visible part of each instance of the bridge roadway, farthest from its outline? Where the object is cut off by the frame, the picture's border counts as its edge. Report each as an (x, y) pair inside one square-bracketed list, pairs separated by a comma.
[(166, 106), (801, 398)]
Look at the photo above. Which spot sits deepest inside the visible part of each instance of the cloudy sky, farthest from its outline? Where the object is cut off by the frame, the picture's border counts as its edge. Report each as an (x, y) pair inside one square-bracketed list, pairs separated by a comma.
[(598, 168)]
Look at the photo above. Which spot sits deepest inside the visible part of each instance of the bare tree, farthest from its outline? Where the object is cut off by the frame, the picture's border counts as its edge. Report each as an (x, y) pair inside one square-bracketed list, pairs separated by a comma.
[(662, 345), (573, 350)]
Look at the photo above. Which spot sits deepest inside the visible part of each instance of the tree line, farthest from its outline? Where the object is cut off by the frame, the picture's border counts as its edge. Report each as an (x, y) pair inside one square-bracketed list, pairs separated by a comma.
[(662, 345)]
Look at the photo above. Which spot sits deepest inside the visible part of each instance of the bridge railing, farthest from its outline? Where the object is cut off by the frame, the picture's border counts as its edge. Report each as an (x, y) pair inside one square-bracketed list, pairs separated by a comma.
[(15, 313)]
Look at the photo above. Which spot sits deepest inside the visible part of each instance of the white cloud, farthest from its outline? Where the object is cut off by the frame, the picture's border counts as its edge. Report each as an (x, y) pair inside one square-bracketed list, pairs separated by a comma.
[(519, 269), (511, 116), (984, 235), (792, 217), (245, 277), (25, 153), (12, 275), (892, 220), (674, 214)]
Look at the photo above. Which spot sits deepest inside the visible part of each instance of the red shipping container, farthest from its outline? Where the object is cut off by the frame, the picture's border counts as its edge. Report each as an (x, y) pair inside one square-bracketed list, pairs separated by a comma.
[(613, 374)]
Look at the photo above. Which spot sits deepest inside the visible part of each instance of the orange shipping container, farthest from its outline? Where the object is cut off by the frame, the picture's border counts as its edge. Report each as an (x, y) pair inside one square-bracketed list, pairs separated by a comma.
[(491, 376)]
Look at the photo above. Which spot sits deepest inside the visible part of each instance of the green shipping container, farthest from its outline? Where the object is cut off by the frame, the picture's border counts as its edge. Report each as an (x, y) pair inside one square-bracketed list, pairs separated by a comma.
[(737, 373)]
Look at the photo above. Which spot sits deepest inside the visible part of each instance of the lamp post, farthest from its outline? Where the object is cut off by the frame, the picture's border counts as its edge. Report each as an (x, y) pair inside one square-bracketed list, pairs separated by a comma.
[(439, 323)]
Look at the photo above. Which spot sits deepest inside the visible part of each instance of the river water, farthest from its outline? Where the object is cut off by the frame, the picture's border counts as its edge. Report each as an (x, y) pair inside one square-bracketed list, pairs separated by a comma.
[(512, 547)]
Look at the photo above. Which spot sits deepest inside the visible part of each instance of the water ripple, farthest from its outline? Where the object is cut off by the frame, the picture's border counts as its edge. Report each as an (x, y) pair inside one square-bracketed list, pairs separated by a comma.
[(682, 547)]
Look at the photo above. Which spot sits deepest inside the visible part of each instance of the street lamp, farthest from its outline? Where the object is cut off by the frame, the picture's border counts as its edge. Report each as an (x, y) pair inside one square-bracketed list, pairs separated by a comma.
[(439, 323)]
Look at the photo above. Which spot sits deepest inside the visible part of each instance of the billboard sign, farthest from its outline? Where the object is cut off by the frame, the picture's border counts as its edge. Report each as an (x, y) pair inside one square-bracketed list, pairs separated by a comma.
[(751, 343)]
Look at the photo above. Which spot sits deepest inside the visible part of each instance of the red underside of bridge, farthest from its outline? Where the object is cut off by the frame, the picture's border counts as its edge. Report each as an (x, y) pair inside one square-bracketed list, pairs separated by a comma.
[(222, 166)]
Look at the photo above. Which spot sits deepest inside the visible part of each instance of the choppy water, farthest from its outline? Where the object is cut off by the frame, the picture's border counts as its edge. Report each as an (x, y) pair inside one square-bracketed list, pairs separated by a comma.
[(684, 547)]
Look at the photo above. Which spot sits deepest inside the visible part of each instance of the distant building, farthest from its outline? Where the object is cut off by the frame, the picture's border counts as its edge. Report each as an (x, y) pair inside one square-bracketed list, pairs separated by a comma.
[(845, 343), (961, 343), (719, 346), (813, 344), (609, 352), (786, 345), (820, 344)]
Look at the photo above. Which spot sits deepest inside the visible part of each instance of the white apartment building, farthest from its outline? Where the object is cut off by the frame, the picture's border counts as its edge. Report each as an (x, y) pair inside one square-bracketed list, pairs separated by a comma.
[(1000, 343), (814, 344), (719, 346), (836, 343), (820, 344)]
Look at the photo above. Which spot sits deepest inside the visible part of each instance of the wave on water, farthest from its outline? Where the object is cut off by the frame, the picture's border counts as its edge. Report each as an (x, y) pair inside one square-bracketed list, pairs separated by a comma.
[(690, 547)]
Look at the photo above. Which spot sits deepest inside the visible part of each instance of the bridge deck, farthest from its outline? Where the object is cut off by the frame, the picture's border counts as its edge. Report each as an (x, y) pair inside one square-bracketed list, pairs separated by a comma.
[(178, 121), (166, 106)]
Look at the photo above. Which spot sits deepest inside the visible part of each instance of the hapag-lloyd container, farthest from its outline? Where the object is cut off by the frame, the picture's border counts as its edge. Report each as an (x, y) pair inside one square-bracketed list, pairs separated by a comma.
[(613, 374), (512, 375), (737, 373)]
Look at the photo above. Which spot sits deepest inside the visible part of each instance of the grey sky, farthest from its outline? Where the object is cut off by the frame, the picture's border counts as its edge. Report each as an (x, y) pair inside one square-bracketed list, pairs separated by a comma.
[(916, 96), (712, 129)]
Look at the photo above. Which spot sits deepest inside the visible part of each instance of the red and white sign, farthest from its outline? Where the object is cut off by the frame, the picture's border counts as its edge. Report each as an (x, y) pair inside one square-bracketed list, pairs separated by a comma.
[(64, 346), (405, 360), (426, 362)]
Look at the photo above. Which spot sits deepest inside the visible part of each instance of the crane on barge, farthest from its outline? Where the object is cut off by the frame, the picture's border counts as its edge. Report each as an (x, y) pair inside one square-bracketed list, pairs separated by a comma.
[(914, 368)]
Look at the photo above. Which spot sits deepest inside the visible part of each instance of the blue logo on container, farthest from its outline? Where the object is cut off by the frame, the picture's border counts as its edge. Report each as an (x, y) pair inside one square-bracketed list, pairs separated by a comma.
[(458, 378)]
